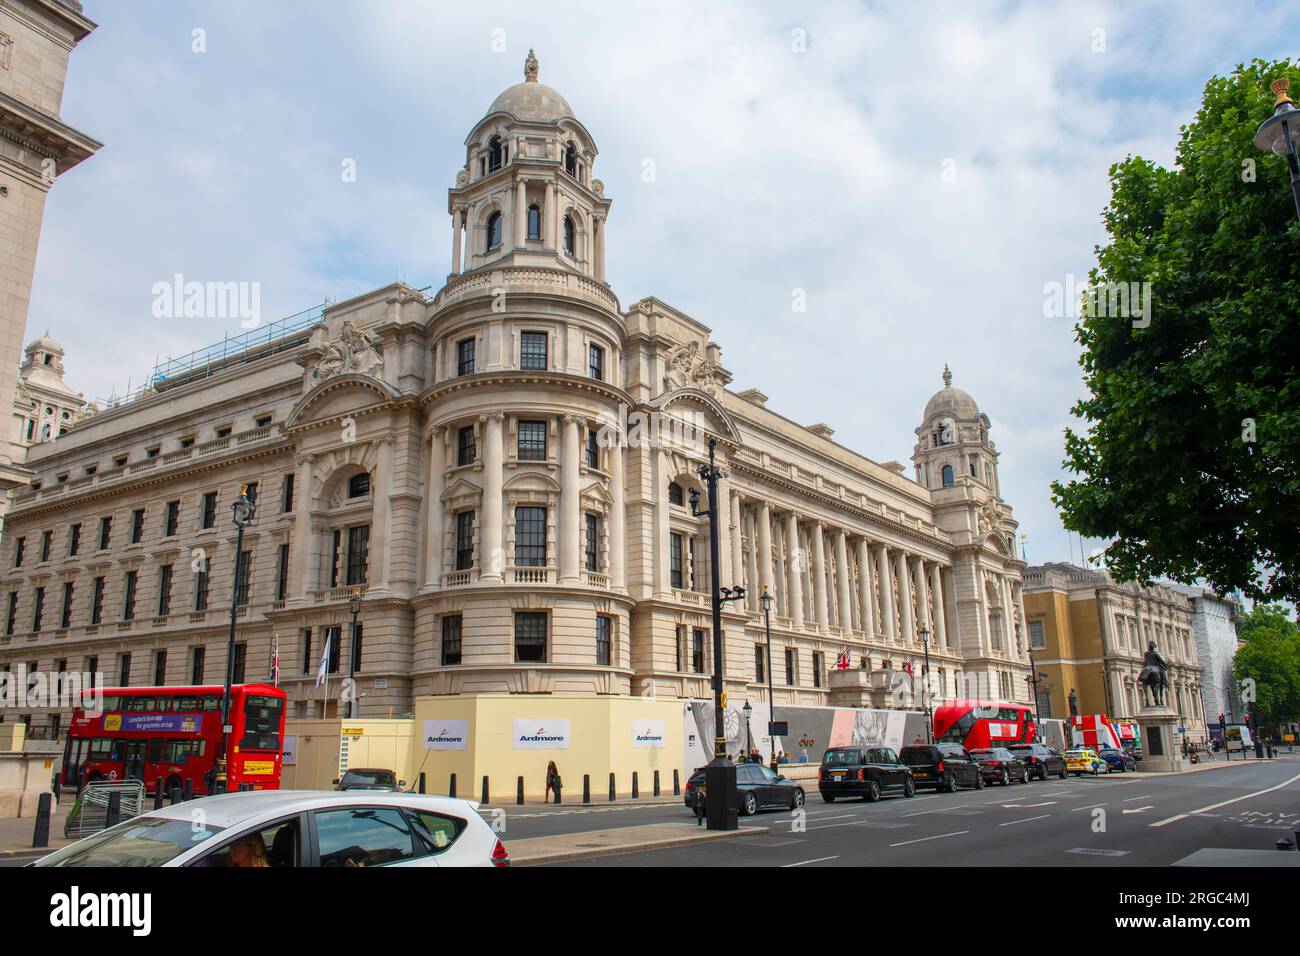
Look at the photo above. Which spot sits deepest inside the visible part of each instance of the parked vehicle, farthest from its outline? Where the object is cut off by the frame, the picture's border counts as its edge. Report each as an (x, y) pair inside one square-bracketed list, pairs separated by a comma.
[(866, 772), (360, 778), (1083, 760), (1043, 761), (757, 788), (296, 828), (1117, 759), (1000, 765), (942, 766)]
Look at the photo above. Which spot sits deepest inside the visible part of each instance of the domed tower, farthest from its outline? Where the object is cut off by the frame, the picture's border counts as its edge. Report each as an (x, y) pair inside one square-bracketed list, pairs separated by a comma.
[(526, 194), (953, 440), (45, 406)]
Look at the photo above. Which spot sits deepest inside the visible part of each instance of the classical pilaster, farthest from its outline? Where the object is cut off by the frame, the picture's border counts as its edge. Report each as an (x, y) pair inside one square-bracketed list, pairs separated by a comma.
[(794, 562), (435, 548), (304, 543), (843, 590), (725, 574), (570, 539), (663, 565), (457, 218), (819, 573), (381, 532), (751, 561), (737, 545), (550, 227), (888, 622), (617, 518), (521, 214), (866, 588), (491, 558)]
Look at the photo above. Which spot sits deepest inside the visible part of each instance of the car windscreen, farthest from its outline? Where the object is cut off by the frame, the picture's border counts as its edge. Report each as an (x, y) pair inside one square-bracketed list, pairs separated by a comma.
[(917, 758), (983, 754), (369, 780), (841, 758), (144, 841)]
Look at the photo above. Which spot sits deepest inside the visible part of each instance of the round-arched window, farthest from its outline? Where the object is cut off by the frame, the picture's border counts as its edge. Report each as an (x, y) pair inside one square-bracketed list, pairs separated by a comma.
[(947, 475), (534, 223), (494, 231), (568, 235)]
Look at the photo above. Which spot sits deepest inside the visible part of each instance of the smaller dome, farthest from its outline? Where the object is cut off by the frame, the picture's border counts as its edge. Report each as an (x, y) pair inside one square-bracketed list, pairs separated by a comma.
[(951, 401), (531, 100), (45, 343)]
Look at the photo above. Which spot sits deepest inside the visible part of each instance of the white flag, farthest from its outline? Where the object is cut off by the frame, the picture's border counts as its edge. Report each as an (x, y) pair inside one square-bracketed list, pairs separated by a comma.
[(324, 664)]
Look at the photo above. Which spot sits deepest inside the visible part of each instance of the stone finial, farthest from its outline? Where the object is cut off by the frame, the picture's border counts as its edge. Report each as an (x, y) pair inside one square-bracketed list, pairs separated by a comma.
[(947, 376), (530, 68), (1279, 88)]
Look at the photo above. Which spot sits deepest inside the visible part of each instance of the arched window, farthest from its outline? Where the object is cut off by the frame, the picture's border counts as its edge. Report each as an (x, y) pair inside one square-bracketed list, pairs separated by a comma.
[(494, 231), (568, 236), (496, 154), (534, 223), (675, 496), (571, 161), (947, 475)]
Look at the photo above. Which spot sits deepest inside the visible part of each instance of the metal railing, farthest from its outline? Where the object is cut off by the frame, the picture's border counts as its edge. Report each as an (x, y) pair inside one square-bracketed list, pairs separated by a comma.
[(90, 814)]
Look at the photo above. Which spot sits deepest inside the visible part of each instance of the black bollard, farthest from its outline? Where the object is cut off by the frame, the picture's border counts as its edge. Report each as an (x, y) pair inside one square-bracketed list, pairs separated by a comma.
[(611, 786), (586, 788), (41, 832), (559, 785), (157, 793), (656, 783), (421, 788), (635, 790), (175, 796), (485, 799), (114, 814), (451, 787), (677, 783), (187, 792), (519, 791)]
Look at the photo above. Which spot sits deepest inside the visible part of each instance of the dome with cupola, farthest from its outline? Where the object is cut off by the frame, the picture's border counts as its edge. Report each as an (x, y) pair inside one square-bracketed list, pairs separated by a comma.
[(530, 100), (951, 401)]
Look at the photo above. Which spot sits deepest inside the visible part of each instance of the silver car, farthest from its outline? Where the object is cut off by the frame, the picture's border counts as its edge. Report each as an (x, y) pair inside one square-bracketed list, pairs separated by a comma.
[(296, 828)]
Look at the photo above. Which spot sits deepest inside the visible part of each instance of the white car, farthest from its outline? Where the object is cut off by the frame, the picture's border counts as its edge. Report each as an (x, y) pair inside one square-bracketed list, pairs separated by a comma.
[(285, 828)]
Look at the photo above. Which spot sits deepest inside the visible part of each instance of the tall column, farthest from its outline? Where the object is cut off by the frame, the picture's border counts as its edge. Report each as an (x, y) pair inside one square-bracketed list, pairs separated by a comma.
[(491, 558), (663, 560), (751, 561), (725, 574), (381, 518), (737, 545), (570, 540), (866, 588), (617, 518), (940, 626), (552, 216), (764, 519), (600, 249), (456, 219), (842, 589), (794, 563), (906, 622), (888, 622), (922, 599), (521, 214), (1008, 616), (435, 547), (819, 573), (304, 547)]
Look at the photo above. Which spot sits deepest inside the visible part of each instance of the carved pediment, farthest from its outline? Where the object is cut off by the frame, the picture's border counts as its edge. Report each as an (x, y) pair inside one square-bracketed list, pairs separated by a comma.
[(691, 366), (340, 397), (352, 351)]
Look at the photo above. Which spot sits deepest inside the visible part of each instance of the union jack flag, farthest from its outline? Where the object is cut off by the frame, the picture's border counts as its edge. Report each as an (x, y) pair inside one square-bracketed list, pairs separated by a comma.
[(910, 666), (842, 662)]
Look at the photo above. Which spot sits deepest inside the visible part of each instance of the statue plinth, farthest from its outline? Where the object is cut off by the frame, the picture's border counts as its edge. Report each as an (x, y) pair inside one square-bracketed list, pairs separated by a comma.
[(1161, 747)]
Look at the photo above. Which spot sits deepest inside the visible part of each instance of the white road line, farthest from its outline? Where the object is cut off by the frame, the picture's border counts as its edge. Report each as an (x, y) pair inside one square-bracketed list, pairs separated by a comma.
[(838, 816), (820, 859), (1043, 816), (1131, 799), (1091, 806), (937, 837), (919, 813), (1028, 806), (1215, 806)]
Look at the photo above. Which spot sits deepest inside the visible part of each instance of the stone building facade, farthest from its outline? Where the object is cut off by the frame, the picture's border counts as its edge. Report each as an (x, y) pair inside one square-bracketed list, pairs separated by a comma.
[(505, 470), (1214, 626), (1089, 634), (36, 147)]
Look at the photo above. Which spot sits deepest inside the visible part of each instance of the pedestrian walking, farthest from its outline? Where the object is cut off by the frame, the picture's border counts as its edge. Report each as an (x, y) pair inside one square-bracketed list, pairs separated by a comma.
[(553, 782)]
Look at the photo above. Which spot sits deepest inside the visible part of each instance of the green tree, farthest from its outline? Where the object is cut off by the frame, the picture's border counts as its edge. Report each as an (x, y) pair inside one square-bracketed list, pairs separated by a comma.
[(1190, 459), (1269, 661), (1267, 619)]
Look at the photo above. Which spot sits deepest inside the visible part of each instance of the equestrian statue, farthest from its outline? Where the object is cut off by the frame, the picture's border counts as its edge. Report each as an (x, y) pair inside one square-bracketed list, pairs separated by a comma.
[(1154, 675)]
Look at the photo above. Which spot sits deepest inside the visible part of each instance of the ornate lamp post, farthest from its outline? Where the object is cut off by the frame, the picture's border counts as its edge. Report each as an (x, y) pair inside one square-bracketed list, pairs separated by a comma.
[(720, 772), (767, 600), (241, 512), (749, 736), (354, 603), (1278, 133), (925, 685)]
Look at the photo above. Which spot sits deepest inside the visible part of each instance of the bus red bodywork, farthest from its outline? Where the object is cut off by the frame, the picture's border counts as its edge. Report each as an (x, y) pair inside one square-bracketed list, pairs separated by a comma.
[(976, 724)]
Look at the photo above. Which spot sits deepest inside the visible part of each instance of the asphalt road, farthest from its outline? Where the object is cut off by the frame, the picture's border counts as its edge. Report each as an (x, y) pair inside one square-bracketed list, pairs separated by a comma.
[(1117, 820)]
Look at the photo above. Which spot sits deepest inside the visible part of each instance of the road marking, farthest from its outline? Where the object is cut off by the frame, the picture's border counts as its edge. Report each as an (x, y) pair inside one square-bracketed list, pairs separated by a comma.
[(1098, 851), (820, 859), (880, 824), (838, 816), (1140, 809), (1131, 799), (1091, 806), (937, 837), (919, 813), (1215, 806), (1025, 820), (1028, 806)]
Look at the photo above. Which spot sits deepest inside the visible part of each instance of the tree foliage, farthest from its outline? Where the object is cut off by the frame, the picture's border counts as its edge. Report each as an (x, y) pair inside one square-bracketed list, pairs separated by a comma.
[(1270, 658), (1190, 459)]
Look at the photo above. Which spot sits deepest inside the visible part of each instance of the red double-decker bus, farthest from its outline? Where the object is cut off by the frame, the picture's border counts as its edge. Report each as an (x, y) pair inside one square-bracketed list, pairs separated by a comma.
[(976, 724), (173, 734)]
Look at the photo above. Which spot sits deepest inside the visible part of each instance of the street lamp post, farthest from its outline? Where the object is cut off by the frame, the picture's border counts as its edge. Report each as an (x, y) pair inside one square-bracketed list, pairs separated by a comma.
[(1033, 679), (241, 511), (354, 603), (720, 772), (749, 735), (925, 685), (1277, 134), (767, 600)]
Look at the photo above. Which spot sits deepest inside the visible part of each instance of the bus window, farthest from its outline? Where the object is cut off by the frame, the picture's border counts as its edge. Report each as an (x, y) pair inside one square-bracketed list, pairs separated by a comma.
[(261, 723), (110, 704), (185, 704), (178, 751), (161, 704), (119, 749), (155, 750), (100, 748), (210, 705)]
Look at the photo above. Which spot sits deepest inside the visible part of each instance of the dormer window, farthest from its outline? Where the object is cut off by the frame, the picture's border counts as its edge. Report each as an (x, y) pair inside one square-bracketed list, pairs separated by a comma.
[(534, 222), (568, 236), (49, 359), (494, 231)]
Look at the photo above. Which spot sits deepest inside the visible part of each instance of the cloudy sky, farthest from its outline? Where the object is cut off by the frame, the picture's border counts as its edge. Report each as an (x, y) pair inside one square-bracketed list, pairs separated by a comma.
[(919, 170)]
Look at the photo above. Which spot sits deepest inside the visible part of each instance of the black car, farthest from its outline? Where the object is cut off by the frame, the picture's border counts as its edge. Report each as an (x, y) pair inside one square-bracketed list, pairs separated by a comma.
[(1000, 765), (757, 787), (384, 781), (942, 766), (866, 772), (1043, 761)]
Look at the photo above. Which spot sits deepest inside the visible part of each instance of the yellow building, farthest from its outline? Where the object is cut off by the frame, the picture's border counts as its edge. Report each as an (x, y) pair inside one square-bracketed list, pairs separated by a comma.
[(1088, 634)]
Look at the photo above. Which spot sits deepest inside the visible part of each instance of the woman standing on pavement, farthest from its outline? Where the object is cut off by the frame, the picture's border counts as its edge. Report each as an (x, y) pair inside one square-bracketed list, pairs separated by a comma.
[(552, 782)]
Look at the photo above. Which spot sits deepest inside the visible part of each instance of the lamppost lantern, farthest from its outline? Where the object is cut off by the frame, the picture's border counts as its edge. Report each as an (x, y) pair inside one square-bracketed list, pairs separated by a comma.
[(242, 509), (767, 599), (1278, 133), (354, 602), (748, 710)]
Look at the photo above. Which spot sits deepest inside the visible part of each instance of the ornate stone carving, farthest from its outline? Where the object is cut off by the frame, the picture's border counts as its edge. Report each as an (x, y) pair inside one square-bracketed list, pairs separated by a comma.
[(988, 517), (530, 68), (355, 350), (689, 367)]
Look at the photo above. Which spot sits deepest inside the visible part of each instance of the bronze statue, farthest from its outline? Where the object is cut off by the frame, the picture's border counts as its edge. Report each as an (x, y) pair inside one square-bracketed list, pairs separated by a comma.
[(1153, 676)]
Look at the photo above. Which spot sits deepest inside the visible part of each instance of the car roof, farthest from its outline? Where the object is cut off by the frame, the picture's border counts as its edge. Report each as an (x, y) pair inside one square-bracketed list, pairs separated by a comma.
[(368, 770), (232, 809)]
